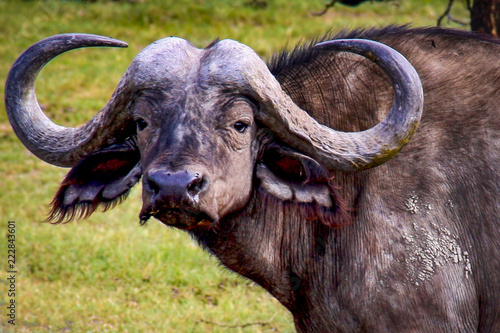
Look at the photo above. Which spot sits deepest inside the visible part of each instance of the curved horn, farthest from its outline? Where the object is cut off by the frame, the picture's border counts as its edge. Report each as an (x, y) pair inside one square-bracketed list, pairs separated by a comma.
[(58, 145), (352, 151)]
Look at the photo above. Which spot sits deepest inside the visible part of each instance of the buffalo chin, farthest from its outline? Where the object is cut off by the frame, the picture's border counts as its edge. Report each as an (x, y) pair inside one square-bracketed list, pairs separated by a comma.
[(182, 218)]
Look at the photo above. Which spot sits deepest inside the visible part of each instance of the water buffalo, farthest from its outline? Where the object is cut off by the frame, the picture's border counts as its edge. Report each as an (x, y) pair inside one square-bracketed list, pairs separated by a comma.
[(289, 171)]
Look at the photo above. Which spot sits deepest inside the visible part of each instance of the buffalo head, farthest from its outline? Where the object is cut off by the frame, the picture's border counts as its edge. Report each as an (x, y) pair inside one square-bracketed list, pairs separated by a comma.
[(204, 128)]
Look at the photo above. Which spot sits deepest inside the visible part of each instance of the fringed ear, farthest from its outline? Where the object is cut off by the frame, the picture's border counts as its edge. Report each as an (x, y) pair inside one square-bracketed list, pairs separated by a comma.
[(100, 180), (293, 166), (294, 177)]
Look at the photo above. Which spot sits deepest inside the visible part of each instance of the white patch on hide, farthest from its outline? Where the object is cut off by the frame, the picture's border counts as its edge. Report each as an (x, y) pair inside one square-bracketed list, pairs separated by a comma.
[(430, 248), (412, 204)]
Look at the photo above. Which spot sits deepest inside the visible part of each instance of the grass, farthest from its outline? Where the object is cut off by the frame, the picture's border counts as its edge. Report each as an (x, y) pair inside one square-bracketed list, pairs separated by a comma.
[(108, 273)]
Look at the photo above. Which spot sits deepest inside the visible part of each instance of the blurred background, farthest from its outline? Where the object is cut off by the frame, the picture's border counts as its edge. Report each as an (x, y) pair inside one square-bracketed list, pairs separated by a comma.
[(108, 273)]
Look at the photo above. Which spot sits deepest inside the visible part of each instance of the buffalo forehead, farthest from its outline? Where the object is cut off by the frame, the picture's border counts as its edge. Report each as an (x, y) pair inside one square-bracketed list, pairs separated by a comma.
[(231, 63), (175, 62), (164, 63)]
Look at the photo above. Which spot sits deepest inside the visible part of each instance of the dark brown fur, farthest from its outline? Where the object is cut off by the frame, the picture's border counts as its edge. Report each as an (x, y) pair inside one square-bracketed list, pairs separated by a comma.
[(449, 169), (419, 250)]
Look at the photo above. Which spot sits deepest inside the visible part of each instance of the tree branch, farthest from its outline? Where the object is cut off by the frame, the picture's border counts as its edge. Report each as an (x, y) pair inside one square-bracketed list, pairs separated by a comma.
[(327, 6), (448, 15)]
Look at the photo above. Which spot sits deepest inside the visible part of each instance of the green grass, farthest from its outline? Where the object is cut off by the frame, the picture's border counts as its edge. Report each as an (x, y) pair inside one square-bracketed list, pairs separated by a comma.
[(108, 273)]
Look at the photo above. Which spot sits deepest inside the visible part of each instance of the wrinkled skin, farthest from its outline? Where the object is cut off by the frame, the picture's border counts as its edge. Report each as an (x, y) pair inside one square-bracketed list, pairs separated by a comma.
[(410, 246)]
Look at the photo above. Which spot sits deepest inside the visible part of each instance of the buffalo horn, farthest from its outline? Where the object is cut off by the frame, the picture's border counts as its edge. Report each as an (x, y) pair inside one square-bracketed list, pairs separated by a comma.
[(351, 151), (55, 144)]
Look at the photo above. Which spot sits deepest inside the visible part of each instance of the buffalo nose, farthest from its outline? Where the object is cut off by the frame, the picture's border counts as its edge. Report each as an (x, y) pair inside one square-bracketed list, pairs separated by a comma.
[(181, 187)]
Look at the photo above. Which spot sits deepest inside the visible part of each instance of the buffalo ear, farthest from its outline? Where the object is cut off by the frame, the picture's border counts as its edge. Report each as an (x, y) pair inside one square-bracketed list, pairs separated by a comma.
[(102, 179), (293, 166), (293, 177)]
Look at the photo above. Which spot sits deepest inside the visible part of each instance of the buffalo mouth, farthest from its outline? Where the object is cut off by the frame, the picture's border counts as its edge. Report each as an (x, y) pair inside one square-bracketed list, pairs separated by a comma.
[(180, 218)]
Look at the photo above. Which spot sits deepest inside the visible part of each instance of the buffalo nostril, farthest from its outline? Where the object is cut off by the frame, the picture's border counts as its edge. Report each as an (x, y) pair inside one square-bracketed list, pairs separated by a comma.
[(196, 185), (153, 186)]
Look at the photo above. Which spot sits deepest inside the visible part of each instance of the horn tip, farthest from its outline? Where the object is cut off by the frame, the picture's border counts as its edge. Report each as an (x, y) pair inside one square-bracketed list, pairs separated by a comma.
[(334, 44), (118, 43)]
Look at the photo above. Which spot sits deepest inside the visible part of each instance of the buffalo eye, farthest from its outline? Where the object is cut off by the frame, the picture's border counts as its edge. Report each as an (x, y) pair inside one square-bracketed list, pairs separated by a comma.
[(141, 124), (241, 126)]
